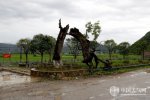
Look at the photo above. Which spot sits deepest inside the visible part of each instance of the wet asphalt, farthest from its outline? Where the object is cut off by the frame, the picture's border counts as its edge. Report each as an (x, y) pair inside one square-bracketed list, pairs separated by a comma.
[(133, 85)]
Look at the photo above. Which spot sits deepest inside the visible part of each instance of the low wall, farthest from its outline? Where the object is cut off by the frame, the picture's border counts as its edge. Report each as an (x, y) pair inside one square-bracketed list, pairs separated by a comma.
[(58, 74), (15, 71)]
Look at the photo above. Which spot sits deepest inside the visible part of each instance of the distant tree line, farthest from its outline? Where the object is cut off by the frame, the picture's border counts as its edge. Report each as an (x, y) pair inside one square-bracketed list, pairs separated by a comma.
[(40, 44)]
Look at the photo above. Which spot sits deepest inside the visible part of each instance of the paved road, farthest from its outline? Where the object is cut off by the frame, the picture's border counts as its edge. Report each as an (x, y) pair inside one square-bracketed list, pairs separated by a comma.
[(128, 86)]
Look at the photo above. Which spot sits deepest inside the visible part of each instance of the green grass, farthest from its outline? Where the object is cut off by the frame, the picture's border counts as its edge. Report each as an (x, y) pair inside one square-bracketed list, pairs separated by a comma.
[(119, 71), (69, 59), (31, 58)]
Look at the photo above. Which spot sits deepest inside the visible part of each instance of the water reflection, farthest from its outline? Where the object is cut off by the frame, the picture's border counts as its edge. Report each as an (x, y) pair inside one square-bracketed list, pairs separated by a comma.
[(7, 78)]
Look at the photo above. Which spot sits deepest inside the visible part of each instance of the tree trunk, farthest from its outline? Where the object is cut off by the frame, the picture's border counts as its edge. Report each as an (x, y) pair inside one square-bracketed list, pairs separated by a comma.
[(110, 55), (75, 57), (85, 44), (27, 60), (20, 54), (143, 55), (41, 57), (50, 58), (59, 45)]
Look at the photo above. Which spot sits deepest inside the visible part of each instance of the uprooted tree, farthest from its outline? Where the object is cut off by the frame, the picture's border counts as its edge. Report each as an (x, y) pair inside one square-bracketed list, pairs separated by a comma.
[(88, 54)]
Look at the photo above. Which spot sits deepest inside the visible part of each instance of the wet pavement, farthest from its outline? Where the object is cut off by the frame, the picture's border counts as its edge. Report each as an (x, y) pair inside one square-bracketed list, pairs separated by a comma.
[(8, 78), (128, 86)]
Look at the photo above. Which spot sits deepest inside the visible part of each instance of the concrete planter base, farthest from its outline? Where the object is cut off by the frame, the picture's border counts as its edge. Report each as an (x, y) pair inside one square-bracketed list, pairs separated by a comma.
[(58, 74)]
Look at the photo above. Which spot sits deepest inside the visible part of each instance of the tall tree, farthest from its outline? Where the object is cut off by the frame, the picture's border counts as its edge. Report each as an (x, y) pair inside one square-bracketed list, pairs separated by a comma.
[(19, 44), (24, 44), (26, 47), (110, 45), (93, 29), (38, 46), (51, 41), (42, 43), (142, 46), (124, 48)]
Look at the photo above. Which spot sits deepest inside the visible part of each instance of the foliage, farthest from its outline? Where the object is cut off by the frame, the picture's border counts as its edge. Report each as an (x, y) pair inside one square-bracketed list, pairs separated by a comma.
[(51, 45), (94, 29), (73, 46), (25, 45), (141, 45), (111, 46), (94, 45), (124, 48), (42, 43)]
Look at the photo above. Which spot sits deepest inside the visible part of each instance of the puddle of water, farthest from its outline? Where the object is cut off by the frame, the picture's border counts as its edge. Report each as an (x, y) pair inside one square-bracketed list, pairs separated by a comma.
[(58, 98), (8, 78)]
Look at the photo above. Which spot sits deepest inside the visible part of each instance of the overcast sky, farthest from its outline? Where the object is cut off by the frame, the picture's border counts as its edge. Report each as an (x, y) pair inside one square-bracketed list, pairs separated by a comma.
[(121, 20)]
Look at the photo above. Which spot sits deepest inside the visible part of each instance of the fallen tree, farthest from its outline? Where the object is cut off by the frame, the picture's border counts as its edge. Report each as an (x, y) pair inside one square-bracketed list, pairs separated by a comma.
[(88, 53), (85, 44)]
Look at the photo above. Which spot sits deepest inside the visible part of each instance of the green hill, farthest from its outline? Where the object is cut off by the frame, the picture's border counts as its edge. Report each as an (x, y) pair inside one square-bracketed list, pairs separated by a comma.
[(8, 48), (143, 44)]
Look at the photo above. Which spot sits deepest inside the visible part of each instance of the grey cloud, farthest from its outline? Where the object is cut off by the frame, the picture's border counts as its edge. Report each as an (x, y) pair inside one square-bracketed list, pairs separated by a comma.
[(36, 9), (64, 7), (48, 8), (18, 9), (127, 9), (118, 16)]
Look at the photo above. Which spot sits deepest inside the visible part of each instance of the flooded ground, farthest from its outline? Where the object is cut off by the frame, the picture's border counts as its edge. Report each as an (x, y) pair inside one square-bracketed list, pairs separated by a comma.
[(8, 78)]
